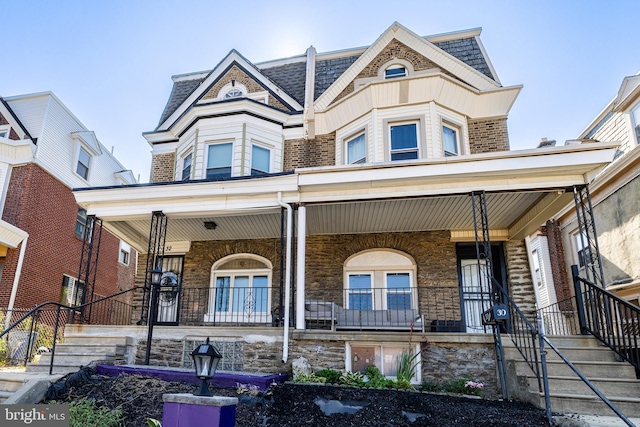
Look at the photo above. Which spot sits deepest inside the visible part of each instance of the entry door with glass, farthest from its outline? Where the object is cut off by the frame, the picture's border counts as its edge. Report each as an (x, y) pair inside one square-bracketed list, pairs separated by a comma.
[(169, 292)]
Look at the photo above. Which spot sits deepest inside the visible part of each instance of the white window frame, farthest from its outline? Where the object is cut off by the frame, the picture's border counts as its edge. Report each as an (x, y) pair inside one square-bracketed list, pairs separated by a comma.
[(124, 249), (83, 225), (457, 130), (264, 147), (7, 129), (74, 286), (78, 163), (634, 115), (404, 73), (351, 138), (231, 160), (232, 86), (418, 149), (579, 259), (182, 165), (236, 316), (412, 292), (417, 379)]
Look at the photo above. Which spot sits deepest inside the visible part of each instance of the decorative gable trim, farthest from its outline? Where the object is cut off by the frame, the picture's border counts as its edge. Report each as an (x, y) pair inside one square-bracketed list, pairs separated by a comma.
[(233, 58), (88, 140), (449, 63), (18, 127), (628, 92)]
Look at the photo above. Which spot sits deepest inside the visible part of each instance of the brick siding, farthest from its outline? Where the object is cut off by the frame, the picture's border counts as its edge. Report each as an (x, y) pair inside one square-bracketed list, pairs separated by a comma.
[(557, 258), (45, 208), (252, 86), (488, 135), (163, 168), (303, 153)]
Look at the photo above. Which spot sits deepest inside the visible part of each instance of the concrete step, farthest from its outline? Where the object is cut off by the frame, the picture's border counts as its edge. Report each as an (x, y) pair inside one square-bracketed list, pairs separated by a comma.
[(602, 354), (622, 387), (590, 369), (77, 359), (97, 340), (57, 369), (591, 404), (4, 395), (67, 348), (10, 384)]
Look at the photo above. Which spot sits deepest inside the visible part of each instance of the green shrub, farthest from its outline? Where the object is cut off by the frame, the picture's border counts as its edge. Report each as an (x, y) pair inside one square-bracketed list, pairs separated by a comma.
[(406, 365), (377, 379), (332, 376), (85, 413), (310, 378), (403, 384), (355, 379), (431, 386)]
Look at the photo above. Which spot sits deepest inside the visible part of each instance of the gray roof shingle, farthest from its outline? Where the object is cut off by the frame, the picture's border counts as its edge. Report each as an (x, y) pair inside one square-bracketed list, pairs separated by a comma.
[(291, 77)]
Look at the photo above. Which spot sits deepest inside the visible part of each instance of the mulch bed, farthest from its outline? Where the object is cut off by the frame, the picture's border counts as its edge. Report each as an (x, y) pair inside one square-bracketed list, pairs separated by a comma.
[(295, 404)]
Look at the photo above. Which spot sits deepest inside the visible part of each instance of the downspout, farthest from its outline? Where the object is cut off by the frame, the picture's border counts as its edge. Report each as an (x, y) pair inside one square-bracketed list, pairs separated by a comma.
[(16, 279), (287, 280)]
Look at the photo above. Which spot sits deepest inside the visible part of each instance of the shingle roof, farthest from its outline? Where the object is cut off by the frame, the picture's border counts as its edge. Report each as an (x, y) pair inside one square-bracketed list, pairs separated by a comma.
[(291, 77), (181, 91), (467, 51)]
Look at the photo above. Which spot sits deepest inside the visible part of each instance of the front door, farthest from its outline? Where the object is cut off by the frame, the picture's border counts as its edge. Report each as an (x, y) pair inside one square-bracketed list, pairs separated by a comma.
[(169, 294), (475, 288)]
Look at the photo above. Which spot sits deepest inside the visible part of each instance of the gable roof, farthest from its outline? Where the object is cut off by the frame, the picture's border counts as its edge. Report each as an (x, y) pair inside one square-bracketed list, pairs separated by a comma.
[(400, 33), (232, 58), (10, 116), (290, 73)]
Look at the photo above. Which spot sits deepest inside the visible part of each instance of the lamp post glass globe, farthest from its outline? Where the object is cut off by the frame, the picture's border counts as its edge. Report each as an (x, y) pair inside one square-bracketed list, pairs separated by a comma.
[(205, 361)]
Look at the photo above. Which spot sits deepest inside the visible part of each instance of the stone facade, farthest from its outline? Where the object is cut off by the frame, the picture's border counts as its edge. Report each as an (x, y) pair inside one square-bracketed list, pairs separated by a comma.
[(488, 135), (163, 167), (303, 153), (519, 278), (236, 74)]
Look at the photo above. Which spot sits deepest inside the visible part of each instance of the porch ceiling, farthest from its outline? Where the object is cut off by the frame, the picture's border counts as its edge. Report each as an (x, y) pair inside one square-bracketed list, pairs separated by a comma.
[(393, 215)]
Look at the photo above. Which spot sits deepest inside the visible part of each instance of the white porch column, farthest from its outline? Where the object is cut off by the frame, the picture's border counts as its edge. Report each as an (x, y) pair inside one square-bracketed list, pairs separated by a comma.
[(300, 260)]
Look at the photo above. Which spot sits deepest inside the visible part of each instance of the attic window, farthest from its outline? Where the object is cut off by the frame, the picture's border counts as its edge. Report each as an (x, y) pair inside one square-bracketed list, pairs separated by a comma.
[(395, 71), (233, 93), (4, 131)]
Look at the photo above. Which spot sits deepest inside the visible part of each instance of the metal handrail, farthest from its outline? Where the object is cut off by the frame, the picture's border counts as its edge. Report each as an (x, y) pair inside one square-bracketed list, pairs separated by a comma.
[(610, 319), (58, 307)]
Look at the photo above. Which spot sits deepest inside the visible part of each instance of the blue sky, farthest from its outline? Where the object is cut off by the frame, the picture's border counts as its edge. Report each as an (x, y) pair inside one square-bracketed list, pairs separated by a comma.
[(111, 62)]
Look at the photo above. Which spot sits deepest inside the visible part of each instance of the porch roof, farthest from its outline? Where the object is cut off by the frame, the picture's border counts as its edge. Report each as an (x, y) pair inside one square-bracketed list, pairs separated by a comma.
[(524, 188)]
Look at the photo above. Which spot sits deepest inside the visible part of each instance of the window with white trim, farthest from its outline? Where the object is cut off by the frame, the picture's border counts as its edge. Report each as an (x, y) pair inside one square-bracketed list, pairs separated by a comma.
[(187, 162), (635, 122), (404, 141), (356, 149), (450, 140), (582, 251), (4, 131), (384, 357), (81, 222), (219, 160), (260, 160), (395, 71), (233, 93), (73, 290), (84, 162), (240, 290), (125, 253), (380, 280)]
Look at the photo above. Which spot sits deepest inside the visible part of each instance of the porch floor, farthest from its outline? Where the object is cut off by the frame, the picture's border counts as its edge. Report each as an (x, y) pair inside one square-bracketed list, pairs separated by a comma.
[(221, 378)]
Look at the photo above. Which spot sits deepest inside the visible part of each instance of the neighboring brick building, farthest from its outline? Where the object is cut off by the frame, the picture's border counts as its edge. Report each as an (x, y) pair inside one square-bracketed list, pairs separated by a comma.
[(48, 152), (339, 184)]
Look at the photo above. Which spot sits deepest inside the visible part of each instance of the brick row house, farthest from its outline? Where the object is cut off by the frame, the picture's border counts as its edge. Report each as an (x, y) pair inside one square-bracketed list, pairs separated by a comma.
[(323, 206), (46, 152)]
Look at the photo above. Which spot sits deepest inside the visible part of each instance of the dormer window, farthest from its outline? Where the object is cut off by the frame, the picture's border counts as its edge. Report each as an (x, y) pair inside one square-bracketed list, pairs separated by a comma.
[(357, 150), (635, 119), (233, 93), (84, 160), (394, 71)]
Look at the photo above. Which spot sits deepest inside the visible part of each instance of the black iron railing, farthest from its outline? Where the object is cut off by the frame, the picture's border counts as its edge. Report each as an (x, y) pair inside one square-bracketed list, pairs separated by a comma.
[(560, 318), (612, 320), (39, 329)]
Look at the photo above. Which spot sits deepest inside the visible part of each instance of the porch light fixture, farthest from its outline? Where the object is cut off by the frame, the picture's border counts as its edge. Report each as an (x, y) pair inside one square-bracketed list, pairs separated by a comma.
[(210, 225), (205, 361)]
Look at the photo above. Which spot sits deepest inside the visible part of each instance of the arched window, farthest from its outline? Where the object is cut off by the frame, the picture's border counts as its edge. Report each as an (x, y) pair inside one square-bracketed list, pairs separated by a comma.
[(240, 290), (382, 279), (233, 93)]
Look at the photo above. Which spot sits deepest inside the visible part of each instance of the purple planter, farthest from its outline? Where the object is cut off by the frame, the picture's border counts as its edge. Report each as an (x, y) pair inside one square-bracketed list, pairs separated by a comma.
[(187, 410), (221, 379)]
